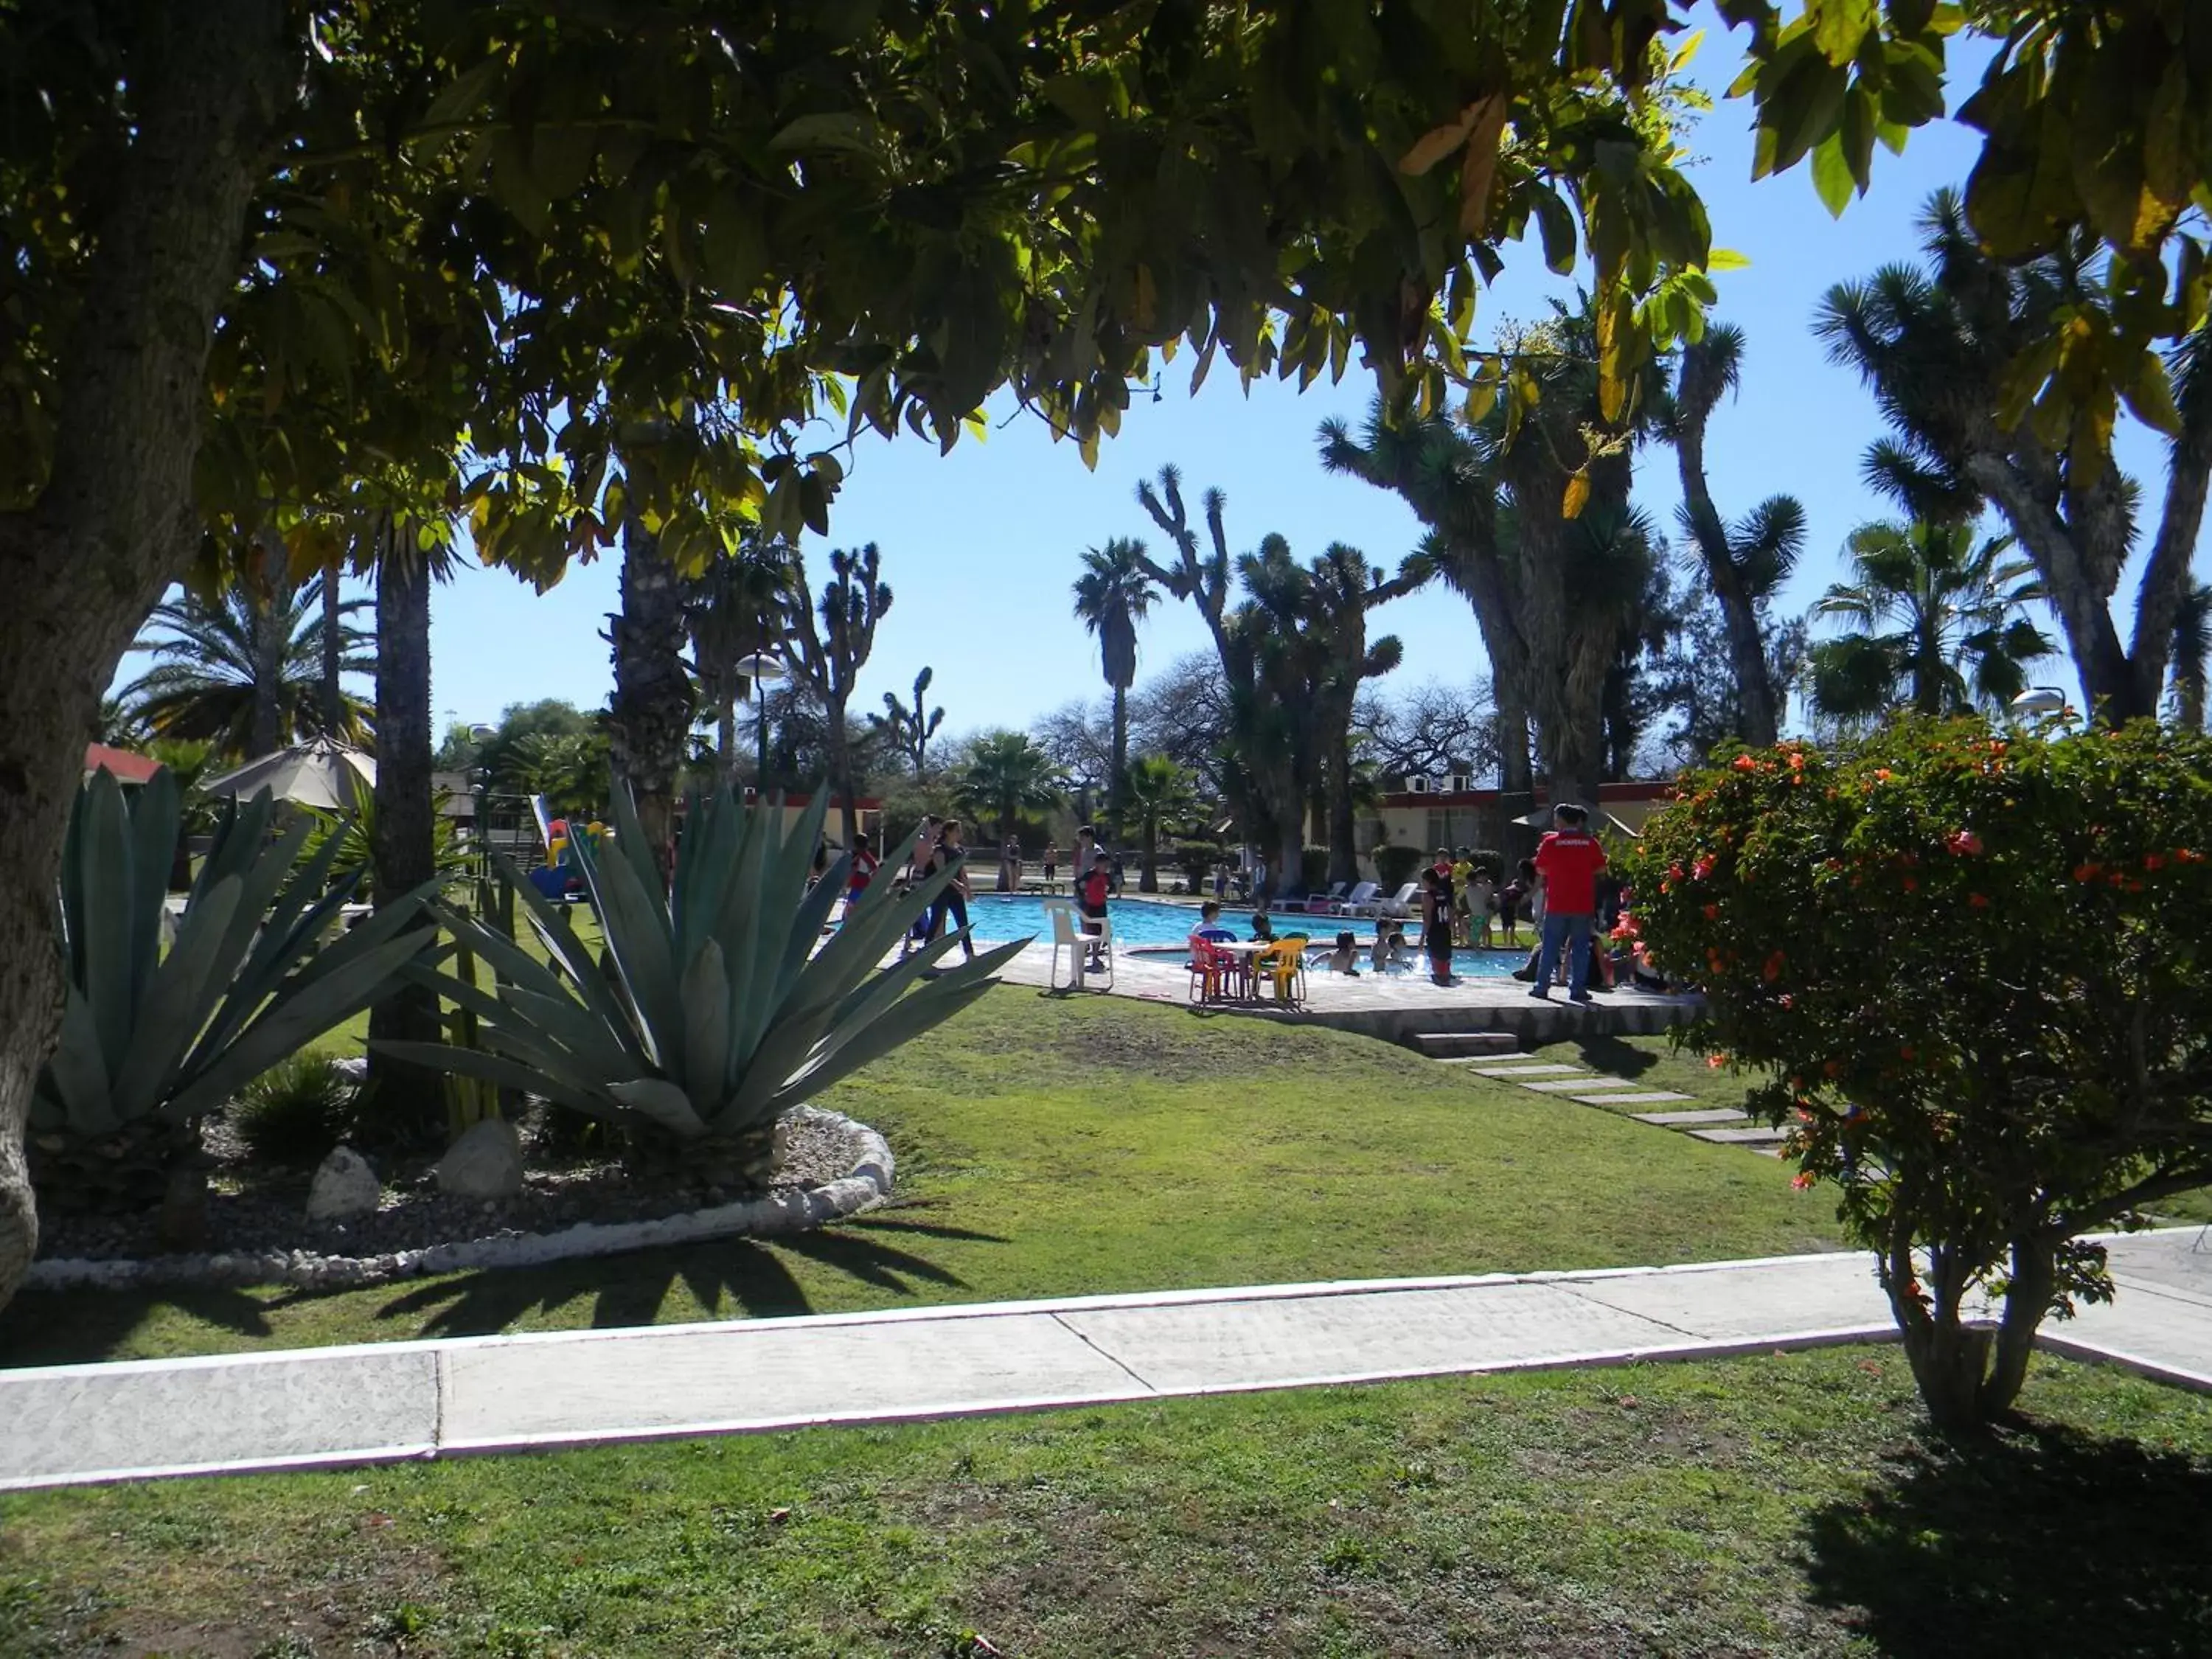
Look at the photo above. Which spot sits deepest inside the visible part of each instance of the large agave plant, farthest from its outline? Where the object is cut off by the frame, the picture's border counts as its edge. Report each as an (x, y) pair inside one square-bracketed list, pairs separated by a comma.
[(711, 1012), (151, 1043)]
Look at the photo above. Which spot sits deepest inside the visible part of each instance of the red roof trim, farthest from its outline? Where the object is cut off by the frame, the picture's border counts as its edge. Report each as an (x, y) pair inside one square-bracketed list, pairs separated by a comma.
[(127, 766)]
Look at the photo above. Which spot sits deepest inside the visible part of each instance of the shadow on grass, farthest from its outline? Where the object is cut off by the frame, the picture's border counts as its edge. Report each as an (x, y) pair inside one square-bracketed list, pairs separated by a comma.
[(1609, 1054), (2040, 1540), (739, 1278), (73, 1327)]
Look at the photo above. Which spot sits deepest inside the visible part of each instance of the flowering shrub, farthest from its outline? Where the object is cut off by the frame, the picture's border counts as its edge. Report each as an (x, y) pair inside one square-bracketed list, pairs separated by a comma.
[(1969, 971)]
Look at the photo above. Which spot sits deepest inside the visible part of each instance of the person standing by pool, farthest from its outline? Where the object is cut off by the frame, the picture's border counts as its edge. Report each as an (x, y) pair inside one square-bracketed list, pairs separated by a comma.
[(1570, 860), (1462, 901), (1481, 900), (1010, 865), (1051, 866), (1436, 918), (861, 872), (953, 900), (1091, 885)]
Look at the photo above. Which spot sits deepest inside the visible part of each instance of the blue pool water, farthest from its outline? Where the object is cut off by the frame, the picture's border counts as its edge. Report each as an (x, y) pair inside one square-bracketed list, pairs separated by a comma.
[(1146, 921)]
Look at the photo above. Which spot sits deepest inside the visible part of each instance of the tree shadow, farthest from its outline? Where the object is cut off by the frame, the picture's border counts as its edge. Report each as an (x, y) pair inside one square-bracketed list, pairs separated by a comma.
[(2037, 1538), (1609, 1054), (738, 1278), (76, 1328)]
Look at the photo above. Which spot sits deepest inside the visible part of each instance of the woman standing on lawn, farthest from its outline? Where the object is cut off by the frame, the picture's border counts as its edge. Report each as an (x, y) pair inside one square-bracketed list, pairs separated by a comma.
[(953, 900)]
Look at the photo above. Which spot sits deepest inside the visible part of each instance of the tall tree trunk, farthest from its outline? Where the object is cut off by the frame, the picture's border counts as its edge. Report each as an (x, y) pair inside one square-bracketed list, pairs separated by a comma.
[(272, 643), (841, 758), (1343, 858), (1117, 783), (86, 564), (653, 704), (333, 654), (403, 848), (726, 733), (1758, 705), (1148, 881)]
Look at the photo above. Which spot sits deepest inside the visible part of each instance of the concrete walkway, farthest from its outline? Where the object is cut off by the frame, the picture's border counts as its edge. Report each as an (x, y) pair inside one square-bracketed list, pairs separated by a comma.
[(311, 1408)]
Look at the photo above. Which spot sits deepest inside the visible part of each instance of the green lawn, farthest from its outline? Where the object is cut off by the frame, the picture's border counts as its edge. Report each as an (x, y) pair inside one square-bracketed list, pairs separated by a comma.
[(1787, 1505), (1055, 1147)]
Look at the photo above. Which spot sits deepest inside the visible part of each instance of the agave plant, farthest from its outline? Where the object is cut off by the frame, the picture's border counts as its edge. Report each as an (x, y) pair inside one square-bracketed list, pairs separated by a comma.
[(151, 1043), (711, 1011)]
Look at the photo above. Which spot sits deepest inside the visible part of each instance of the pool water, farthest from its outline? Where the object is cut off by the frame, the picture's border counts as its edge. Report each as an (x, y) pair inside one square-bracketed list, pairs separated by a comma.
[(1141, 922)]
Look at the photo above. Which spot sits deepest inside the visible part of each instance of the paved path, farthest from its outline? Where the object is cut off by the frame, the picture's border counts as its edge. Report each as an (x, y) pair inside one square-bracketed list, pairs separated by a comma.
[(322, 1407)]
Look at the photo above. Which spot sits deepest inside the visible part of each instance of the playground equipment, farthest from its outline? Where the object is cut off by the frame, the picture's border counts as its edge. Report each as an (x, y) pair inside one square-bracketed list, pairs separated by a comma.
[(558, 877)]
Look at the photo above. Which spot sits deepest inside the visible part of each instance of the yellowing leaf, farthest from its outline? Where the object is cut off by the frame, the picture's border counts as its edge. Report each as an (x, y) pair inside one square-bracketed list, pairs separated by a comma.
[(1480, 167), (1727, 258), (1577, 496), (1432, 146)]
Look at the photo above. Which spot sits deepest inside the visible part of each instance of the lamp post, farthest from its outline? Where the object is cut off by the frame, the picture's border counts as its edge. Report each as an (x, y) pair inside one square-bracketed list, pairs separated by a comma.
[(2040, 703), (760, 669)]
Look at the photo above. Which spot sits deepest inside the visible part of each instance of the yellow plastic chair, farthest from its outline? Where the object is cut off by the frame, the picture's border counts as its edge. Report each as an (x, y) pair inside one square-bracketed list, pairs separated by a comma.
[(1283, 964)]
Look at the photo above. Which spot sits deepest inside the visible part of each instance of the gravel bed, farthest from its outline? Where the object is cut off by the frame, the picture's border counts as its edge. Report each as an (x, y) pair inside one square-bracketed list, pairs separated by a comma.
[(268, 1222)]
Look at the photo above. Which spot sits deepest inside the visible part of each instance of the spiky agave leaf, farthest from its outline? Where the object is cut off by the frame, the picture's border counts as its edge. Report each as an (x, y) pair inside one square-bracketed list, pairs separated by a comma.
[(726, 1007)]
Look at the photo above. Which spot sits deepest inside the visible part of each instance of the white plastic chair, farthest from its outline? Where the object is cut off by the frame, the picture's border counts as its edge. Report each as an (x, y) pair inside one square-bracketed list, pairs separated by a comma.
[(1070, 932), (1359, 902), (1405, 903)]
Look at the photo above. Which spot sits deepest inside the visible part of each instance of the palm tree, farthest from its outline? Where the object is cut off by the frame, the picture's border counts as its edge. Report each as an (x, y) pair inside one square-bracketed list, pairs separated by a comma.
[(1005, 776), (219, 678), (1954, 639), (2192, 656), (1745, 562), (734, 611), (1112, 596), (1160, 794)]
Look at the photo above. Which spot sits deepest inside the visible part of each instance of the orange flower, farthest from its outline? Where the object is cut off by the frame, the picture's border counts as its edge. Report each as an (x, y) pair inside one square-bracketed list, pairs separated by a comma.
[(1881, 773), (1796, 761), (1716, 1061), (1743, 762), (1802, 1179)]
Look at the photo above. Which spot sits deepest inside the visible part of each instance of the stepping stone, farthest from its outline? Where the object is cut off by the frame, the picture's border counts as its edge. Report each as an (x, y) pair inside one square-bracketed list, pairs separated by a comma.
[(1756, 1138), (1652, 1096), (1567, 1085), (1669, 1120), (1525, 1071)]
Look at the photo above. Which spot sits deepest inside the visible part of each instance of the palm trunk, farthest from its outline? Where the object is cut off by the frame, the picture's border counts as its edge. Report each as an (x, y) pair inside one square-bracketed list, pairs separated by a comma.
[(114, 526), (1758, 708), (725, 734), (333, 654), (1343, 859), (1149, 880), (1117, 783), (653, 702), (270, 643), (840, 761), (403, 843)]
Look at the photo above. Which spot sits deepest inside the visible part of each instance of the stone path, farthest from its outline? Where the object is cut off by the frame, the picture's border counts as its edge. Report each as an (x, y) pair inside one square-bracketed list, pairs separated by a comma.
[(1723, 1125), (383, 1403)]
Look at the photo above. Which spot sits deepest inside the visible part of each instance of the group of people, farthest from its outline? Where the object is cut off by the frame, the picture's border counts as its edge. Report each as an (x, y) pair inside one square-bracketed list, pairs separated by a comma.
[(939, 845)]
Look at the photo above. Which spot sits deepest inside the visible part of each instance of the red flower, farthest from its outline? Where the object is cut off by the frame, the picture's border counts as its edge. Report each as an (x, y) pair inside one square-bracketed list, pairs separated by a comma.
[(1703, 867), (1881, 773), (1772, 971), (1716, 1061), (2087, 872), (1676, 872), (1905, 1051), (1833, 1068), (1965, 843), (2154, 862), (1802, 1179), (2187, 855), (1787, 1000), (1743, 762), (1977, 902), (1796, 761), (1712, 913), (1911, 885)]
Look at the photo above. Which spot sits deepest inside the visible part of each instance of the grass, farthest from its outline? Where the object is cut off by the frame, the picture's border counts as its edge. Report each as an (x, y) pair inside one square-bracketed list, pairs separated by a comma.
[(1053, 1147), (1790, 1505)]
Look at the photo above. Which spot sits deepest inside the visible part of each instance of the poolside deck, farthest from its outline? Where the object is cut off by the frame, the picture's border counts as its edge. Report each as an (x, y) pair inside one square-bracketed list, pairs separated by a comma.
[(1393, 1006)]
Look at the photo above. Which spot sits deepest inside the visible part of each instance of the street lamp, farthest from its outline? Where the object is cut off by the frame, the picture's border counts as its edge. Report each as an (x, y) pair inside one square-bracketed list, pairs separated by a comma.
[(2040, 703), (760, 669)]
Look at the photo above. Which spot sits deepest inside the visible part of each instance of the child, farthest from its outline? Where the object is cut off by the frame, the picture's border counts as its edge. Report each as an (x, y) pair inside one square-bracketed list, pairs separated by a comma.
[(1481, 902), (1209, 924), (1437, 919), (1090, 888), (1340, 959), (1263, 931)]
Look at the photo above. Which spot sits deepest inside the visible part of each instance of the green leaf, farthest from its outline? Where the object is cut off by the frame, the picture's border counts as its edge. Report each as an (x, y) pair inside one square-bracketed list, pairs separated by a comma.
[(1832, 174)]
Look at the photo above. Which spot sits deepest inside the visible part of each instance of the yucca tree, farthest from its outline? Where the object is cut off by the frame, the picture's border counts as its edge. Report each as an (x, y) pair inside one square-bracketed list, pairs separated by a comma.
[(827, 645), (2192, 656), (1936, 625), (1112, 596), (909, 728), (1161, 794), (1005, 775), (1746, 562), (244, 670), (1942, 347)]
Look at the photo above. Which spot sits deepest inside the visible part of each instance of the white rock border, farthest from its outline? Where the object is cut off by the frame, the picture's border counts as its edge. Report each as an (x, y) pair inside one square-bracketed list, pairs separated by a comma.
[(865, 1184)]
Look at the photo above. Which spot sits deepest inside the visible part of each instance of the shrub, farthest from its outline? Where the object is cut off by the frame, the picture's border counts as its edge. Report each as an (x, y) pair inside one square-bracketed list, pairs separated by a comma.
[(1971, 971), (1395, 865), (295, 1111), (1313, 869), (1198, 860)]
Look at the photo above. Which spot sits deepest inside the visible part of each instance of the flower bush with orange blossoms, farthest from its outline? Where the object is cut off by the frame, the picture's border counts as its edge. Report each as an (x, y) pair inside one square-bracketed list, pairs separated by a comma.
[(1987, 992)]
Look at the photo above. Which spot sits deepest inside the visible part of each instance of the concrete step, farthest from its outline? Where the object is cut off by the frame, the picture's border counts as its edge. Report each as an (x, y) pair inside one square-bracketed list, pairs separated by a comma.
[(1756, 1138), (1541, 1069), (1460, 1045), (1677, 1120), (1646, 1095)]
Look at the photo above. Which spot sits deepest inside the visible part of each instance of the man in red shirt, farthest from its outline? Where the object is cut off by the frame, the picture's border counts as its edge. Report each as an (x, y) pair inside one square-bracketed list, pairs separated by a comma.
[(1568, 860)]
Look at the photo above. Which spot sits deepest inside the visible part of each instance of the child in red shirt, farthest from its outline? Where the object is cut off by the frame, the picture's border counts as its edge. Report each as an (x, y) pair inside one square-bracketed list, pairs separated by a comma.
[(1568, 860)]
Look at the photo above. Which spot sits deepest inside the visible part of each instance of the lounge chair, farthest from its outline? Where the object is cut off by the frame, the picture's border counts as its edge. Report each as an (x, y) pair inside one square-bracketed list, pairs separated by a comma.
[(1324, 903), (1357, 902), (1406, 902)]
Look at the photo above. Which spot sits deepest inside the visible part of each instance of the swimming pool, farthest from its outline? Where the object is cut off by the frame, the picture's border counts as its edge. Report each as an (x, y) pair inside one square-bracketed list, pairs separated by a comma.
[(1141, 922)]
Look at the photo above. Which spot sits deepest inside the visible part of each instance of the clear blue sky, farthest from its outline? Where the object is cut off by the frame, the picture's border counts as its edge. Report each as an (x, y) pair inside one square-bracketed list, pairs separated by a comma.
[(980, 547)]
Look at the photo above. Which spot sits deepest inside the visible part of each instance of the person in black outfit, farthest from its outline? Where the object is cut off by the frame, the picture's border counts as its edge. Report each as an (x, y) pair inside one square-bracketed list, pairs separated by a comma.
[(953, 900), (1437, 922)]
